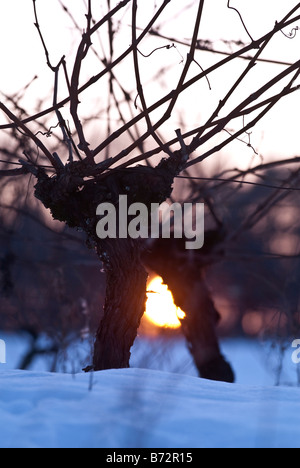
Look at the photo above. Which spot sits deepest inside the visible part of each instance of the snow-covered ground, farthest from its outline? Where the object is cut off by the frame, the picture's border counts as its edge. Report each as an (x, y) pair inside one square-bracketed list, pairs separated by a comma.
[(166, 408)]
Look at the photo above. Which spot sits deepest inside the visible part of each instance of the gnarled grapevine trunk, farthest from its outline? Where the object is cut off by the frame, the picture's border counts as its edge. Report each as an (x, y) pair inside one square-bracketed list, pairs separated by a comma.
[(73, 196), (126, 281), (199, 327), (182, 271)]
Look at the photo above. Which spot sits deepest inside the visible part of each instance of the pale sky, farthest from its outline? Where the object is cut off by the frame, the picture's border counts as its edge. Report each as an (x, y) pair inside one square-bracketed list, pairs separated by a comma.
[(22, 57)]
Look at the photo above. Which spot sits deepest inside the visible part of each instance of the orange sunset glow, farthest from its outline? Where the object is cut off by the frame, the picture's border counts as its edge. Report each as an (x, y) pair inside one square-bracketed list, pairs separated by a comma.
[(160, 307)]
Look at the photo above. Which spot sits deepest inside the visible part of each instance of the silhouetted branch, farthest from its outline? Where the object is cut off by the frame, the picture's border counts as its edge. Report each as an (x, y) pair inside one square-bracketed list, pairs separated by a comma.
[(139, 82), (200, 140), (172, 96), (241, 18), (201, 135), (207, 46), (279, 194), (29, 133), (13, 172)]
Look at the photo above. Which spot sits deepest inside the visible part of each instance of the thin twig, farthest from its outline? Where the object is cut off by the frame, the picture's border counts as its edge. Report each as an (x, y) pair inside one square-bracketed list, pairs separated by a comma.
[(206, 46), (139, 81), (189, 61), (37, 25), (284, 23), (240, 182), (185, 86), (260, 211), (241, 18), (29, 133), (13, 172), (253, 97), (222, 122), (109, 67), (224, 101), (82, 52)]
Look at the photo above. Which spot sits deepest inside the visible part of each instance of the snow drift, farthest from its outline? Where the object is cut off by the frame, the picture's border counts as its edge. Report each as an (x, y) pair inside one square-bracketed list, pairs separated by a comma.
[(142, 409)]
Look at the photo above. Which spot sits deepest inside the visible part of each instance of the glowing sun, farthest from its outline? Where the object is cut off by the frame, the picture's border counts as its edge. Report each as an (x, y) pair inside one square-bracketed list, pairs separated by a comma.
[(160, 307)]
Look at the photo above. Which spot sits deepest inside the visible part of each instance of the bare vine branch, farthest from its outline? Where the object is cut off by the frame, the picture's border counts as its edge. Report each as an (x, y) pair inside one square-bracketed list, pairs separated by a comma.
[(30, 134), (139, 82), (201, 135), (241, 18)]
